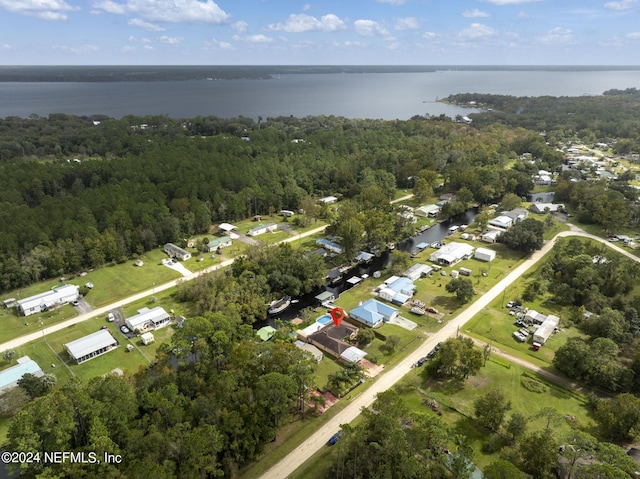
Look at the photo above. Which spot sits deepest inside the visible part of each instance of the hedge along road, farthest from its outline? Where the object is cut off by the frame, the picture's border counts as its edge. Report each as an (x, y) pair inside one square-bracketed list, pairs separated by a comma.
[(317, 440), (103, 310)]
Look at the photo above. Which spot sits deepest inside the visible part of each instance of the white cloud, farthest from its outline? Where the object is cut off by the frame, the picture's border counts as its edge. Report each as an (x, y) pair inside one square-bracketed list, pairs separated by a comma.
[(170, 40), (510, 2), (350, 44), (475, 13), (477, 31), (622, 5), (392, 2), (5, 46), (430, 35), (253, 38), (557, 36), (110, 6), (633, 36), (523, 16), (407, 23), (240, 27), (301, 22), (45, 9), (150, 27), (218, 45), (369, 28), (85, 48), (169, 11), (306, 7)]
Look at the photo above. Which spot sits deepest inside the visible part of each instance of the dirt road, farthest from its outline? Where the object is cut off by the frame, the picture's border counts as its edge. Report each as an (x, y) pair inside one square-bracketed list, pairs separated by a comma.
[(391, 376)]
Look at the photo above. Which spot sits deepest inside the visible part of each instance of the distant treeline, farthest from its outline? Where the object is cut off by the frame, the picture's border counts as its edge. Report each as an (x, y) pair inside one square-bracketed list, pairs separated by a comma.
[(614, 115), (182, 73)]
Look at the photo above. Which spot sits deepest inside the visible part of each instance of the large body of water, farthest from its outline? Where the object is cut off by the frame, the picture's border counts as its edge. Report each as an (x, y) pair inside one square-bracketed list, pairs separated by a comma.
[(385, 95)]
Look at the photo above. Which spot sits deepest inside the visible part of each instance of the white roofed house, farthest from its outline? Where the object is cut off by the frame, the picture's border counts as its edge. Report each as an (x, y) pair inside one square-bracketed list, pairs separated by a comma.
[(262, 229), (546, 329), (47, 300), (327, 200), (417, 271), (502, 222), (176, 252), (490, 236), (547, 207), (427, 211), (452, 253), (91, 346), (148, 319)]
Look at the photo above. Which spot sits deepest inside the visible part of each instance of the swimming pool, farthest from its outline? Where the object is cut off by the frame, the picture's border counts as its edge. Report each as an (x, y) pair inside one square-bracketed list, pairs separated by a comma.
[(324, 319)]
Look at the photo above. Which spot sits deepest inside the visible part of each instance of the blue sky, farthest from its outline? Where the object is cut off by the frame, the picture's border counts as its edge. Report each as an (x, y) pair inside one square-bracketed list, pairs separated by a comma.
[(327, 32)]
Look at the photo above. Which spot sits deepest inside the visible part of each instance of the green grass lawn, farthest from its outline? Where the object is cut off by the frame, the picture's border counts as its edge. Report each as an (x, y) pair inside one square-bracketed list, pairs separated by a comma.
[(327, 366), (110, 284), (458, 411), (528, 393)]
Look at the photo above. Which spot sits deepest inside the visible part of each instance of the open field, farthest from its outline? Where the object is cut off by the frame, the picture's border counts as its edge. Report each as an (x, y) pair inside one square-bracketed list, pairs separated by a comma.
[(110, 283), (528, 393)]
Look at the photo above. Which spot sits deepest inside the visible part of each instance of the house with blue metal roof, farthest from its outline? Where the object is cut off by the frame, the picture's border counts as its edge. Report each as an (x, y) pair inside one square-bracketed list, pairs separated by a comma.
[(329, 245), (373, 313), (9, 377), (397, 290)]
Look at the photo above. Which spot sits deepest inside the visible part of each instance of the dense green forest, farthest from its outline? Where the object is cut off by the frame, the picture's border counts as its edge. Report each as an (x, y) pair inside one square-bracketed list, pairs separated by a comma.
[(615, 115), (205, 419), (78, 192)]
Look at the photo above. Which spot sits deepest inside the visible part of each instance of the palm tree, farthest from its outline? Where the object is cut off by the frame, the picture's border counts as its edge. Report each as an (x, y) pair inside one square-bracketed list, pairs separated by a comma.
[(8, 355)]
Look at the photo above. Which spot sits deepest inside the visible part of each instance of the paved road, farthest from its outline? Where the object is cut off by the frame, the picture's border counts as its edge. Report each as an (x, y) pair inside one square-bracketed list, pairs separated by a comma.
[(103, 310), (391, 376)]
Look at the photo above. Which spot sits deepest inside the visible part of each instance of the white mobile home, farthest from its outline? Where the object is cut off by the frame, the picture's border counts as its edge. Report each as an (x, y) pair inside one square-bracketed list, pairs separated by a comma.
[(47, 300), (91, 346), (148, 319), (176, 252), (502, 222), (262, 229), (490, 236), (417, 271), (546, 329)]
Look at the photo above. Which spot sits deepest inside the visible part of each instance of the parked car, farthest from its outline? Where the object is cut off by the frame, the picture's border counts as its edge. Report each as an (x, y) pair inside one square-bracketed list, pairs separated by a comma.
[(110, 317), (431, 310), (421, 362), (335, 438), (433, 352), (519, 336), (75, 302), (124, 329), (510, 304)]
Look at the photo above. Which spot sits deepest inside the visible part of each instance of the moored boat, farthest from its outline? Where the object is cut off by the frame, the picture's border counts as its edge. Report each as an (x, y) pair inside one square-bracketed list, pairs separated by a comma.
[(276, 307)]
